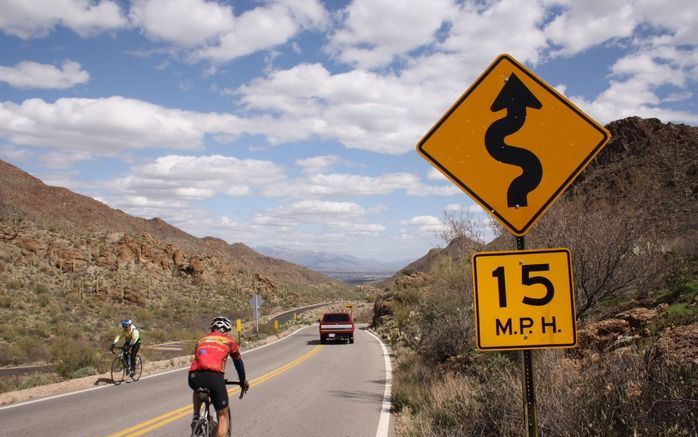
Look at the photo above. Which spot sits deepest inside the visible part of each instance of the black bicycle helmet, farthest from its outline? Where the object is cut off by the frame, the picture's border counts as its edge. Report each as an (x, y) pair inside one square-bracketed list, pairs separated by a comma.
[(221, 324)]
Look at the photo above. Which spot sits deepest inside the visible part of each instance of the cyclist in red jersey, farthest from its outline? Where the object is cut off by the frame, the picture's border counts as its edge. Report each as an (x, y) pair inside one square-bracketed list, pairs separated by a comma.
[(207, 370)]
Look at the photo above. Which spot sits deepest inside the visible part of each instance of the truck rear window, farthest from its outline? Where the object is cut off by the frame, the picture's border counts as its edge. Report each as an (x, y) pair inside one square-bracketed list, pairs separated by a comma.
[(335, 318)]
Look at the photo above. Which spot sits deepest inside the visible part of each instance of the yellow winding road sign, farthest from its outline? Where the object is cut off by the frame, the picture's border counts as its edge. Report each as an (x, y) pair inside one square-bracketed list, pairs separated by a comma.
[(513, 143)]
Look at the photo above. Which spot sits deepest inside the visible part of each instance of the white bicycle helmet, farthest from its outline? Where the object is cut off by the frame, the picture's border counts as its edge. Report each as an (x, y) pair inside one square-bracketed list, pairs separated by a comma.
[(221, 324)]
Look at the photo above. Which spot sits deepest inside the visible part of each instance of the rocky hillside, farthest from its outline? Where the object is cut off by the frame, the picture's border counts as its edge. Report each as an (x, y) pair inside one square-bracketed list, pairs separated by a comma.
[(24, 198), (71, 266)]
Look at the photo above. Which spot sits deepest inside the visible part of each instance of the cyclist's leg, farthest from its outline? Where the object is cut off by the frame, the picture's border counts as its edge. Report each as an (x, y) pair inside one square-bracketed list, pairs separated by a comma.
[(132, 355), (219, 398), (195, 381), (196, 402), (223, 422)]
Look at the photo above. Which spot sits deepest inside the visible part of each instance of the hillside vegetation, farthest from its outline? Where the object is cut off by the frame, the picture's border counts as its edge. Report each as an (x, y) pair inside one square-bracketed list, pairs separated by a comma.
[(630, 223), (71, 268)]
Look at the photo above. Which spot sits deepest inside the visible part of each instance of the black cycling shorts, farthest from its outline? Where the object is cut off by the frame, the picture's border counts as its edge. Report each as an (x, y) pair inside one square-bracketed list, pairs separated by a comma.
[(215, 382)]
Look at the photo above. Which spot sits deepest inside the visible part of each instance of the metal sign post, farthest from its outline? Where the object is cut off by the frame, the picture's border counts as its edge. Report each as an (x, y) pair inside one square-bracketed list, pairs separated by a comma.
[(256, 302), (527, 379)]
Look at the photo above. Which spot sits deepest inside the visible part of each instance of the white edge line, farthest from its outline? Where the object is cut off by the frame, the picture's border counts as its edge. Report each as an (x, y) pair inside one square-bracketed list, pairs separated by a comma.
[(384, 421), (34, 401)]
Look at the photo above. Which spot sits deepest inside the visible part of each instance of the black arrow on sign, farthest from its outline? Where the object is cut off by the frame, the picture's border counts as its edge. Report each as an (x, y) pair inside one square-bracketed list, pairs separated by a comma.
[(515, 98)]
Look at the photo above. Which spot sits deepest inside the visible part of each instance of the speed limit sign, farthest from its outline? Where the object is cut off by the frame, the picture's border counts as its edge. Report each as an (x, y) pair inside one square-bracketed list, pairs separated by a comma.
[(524, 299)]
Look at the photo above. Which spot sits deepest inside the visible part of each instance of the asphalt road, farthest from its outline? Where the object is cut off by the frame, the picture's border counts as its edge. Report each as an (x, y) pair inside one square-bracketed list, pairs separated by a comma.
[(299, 388)]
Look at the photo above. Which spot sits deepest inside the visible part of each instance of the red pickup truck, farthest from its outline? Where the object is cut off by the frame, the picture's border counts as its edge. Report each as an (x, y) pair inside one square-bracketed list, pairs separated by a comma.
[(336, 326)]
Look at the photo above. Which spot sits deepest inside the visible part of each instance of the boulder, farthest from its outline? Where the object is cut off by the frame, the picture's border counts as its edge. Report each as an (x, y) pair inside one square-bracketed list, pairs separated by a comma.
[(638, 317), (678, 345)]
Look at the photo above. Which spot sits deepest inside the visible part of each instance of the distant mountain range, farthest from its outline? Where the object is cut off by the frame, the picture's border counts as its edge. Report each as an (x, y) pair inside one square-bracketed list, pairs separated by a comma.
[(331, 262)]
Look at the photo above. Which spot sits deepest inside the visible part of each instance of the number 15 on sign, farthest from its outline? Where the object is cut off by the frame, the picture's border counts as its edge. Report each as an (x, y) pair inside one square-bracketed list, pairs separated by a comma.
[(524, 300)]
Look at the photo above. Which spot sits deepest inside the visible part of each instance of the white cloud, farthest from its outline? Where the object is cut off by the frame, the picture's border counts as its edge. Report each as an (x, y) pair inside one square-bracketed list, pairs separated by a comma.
[(435, 175), (263, 28), (473, 208), (586, 24), (425, 224), (363, 110), (347, 217), (373, 32), (481, 31), (187, 23), (318, 164), (582, 25), (342, 184), (635, 83), (28, 74), (31, 19), (677, 17), (198, 177), (109, 126)]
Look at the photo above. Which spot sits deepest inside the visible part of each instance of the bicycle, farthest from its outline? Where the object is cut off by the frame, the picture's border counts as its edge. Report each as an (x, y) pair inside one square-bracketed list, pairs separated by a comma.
[(205, 426), (120, 368)]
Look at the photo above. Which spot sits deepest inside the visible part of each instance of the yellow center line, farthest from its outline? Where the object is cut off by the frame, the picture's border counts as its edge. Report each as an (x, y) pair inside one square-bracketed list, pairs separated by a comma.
[(178, 413)]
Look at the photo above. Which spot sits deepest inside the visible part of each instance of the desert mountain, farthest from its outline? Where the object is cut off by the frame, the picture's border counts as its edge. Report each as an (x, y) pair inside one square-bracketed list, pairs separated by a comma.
[(331, 262), (24, 197), (71, 267)]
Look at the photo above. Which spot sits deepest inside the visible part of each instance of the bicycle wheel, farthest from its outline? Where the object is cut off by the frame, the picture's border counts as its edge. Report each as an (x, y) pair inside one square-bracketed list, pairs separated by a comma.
[(138, 370), (118, 371)]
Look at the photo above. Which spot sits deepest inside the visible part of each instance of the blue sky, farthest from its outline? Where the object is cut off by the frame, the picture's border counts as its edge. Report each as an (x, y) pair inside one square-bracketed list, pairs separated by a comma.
[(294, 123)]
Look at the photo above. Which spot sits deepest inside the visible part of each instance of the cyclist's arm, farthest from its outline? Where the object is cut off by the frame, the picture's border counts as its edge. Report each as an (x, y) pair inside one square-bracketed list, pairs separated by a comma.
[(239, 365), (116, 339)]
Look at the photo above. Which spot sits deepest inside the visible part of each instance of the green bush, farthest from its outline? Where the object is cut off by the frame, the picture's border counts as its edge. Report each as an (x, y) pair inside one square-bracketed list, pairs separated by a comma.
[(71, 355), (14, 284), (10, 354), (37, 380), (84, 371)]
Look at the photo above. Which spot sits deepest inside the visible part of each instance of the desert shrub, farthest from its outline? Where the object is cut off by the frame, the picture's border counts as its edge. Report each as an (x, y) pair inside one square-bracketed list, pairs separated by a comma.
[(5, 301), (40, 288), (456, 404), (14, 284), (453, 276), (84, 371), (669, 400), (613, 394), (157, 335), (70, 355), (618, 393), (411, 381), (33, 348), (36, 380), (447, 330), (143, 315), (10, 354)]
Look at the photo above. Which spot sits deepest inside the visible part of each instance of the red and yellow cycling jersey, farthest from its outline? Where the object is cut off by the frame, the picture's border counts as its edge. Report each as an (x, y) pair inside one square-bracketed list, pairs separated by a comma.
[(212, 352)]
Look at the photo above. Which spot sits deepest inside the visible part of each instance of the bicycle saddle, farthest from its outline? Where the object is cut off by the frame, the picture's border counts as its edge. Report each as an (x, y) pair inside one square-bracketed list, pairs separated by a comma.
[(203, 393)]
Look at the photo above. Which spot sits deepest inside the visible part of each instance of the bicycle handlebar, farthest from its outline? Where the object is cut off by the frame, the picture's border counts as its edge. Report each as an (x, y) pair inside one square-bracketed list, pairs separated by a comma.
[(230, 382)]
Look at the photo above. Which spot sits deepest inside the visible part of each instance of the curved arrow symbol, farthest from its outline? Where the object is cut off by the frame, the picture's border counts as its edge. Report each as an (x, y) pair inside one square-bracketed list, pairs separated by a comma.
[(515, 98)]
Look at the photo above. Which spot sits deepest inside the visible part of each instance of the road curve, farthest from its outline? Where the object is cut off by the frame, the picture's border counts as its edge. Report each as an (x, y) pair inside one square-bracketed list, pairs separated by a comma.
[(299, 388)]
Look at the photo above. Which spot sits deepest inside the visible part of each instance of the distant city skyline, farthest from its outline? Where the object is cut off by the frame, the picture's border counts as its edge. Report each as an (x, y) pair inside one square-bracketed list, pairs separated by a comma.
[(294, 123)]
